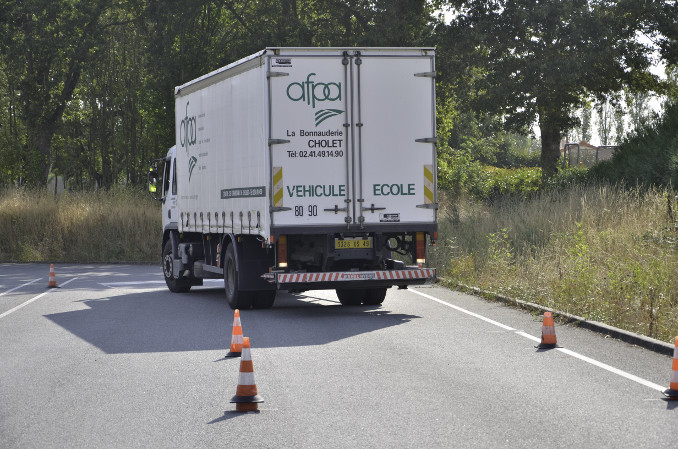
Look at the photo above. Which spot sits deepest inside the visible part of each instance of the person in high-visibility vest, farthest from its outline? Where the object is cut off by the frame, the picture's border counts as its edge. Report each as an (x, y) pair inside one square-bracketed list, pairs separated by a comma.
[(152, 181)]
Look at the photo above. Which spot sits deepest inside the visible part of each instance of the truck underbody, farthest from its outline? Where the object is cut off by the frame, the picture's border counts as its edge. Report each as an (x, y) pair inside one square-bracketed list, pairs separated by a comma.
[(252, 271)]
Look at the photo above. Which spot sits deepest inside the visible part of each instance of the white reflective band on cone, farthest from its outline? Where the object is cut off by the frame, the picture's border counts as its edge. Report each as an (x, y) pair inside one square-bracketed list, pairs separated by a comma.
[(246, 379)]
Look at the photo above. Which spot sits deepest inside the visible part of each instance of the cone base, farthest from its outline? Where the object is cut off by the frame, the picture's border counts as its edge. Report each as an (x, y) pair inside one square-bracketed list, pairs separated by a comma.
[(672, 394), (548, 346), (247, 399), (245, 407), (53, 286), (233, 354)]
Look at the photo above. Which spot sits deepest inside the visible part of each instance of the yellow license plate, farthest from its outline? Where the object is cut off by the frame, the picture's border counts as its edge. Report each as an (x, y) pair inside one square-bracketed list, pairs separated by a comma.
[(352, 243)]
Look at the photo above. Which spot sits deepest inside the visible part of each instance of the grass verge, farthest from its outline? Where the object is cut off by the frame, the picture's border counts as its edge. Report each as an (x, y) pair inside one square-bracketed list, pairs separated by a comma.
[(118, 225), (603, 252)]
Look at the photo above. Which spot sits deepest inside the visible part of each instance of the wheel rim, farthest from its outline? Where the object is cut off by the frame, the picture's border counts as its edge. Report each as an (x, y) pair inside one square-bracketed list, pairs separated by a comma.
[(167, 266), (230, 278)]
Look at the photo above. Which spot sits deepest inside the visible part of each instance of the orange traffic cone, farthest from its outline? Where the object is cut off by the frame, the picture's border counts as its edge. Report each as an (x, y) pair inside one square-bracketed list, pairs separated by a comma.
[(236, 337), (672, 391), (52, 277), (548, 333), (246, 398)]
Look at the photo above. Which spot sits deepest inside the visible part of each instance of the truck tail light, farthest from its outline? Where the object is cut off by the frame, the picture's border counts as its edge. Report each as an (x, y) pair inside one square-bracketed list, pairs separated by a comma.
[(282, 251), (420, 248)]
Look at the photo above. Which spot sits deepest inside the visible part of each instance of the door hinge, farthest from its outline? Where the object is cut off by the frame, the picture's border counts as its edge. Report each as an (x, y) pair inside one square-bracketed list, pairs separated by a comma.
[(372, 208), (426, 74), (336, 209), (427, 140), (277, 141), (276, 74)]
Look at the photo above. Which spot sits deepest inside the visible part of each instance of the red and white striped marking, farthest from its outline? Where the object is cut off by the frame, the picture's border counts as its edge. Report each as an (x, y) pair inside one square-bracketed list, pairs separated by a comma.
[(338, 276), (674, 369), (236, 336), (246, 385)]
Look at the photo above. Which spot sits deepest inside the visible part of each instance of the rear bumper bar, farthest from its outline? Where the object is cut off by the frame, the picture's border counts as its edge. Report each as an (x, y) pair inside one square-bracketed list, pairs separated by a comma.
[(351, 279)]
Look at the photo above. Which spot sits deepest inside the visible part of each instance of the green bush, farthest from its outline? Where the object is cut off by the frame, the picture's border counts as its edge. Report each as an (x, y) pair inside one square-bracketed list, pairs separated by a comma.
[(499, 182), (649, 157), (569, 177), (458, 172), (461, 174)]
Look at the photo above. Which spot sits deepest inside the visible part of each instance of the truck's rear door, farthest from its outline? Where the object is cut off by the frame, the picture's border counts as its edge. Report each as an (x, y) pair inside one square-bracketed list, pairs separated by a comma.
[(395, 135), (310, 154), (352, 138)]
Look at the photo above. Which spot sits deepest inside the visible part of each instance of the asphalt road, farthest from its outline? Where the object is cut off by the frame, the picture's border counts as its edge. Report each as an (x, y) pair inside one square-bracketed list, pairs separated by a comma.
[(113, 359)]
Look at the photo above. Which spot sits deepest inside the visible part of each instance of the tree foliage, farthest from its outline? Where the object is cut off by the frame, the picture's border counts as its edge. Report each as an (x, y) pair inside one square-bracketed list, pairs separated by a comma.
[(86, 86), (648, 157), (46, 45), (540, 60)]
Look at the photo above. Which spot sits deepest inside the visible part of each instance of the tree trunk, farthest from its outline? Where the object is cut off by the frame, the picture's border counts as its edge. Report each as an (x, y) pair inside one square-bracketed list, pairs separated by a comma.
[(39, 135), (550, 148), (44, 144)]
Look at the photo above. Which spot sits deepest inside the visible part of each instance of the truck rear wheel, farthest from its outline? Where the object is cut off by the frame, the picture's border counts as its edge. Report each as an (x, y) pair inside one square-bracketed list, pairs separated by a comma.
[(236, 298), (357, 296), (351, 296), (174, 285), (374, 296)]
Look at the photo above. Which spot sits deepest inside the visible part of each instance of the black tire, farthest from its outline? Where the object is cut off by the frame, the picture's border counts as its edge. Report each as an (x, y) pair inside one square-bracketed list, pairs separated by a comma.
[(263, 299), (236, 299), (351, 296), (180, 285), (375, 296)]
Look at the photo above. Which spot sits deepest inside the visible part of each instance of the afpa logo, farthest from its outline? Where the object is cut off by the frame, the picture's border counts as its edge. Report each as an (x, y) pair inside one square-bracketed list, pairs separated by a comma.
[(188, 136), (311, 93)]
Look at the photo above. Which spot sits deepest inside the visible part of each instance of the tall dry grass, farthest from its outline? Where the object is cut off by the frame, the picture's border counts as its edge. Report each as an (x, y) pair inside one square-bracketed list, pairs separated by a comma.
[(119, 225), (602, 252)]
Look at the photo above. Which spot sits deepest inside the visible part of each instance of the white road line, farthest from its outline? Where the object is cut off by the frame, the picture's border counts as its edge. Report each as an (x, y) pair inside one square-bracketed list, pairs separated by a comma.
[(467, 312), (34, 299), (152, 283), (129, 283), (531, 337), (581, 357), (22, 285), (612, 369)]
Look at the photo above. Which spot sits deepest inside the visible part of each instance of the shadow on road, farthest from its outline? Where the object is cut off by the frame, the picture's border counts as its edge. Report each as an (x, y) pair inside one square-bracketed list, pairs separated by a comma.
[(232, 414), (159, 321)]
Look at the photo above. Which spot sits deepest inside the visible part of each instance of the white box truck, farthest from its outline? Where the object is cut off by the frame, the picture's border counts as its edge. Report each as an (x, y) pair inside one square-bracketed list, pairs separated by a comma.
[(300, 169)]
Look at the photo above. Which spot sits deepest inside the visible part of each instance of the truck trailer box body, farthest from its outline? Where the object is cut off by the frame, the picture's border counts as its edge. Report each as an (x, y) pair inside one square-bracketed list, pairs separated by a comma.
[(322, 157)]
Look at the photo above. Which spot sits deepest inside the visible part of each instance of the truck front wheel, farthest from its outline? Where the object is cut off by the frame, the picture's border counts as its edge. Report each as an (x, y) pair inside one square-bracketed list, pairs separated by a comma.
[(174, 285), (263, 299), (236, 299)]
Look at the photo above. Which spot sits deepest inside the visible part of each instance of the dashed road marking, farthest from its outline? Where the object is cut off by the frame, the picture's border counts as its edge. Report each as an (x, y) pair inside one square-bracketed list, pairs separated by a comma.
[(35, 298), (22, 285), (581, 357)]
